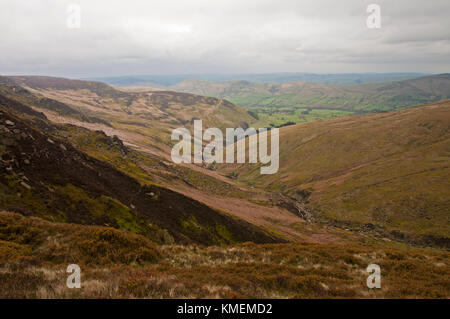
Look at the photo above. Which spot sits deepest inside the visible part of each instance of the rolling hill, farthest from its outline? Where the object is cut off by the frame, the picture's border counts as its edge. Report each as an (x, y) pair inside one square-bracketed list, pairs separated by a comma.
[(276, 104), (142, 118), (138, 153), (348, 172), (341, 78), (386, 172), (72, 191)]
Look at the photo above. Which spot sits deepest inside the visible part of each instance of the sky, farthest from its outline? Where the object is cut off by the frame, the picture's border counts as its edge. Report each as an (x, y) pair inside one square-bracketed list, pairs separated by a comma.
[(41, 37)]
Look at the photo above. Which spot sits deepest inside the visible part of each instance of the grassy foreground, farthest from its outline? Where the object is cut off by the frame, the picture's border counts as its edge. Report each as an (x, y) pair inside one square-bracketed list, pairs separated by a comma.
[(34, 255)]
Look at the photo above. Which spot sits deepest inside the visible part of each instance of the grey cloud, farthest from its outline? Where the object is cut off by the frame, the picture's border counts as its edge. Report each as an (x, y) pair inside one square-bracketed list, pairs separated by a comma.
[(199, 36)]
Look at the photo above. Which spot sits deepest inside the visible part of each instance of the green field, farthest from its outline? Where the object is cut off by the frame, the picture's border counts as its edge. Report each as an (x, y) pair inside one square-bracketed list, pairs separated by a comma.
[(280, 116)]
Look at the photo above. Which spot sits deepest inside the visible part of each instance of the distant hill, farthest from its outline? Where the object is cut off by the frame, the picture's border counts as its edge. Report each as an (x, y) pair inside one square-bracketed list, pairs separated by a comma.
[(389, 172), (341, 78), (276, 104), (367, 97), (148, 115)]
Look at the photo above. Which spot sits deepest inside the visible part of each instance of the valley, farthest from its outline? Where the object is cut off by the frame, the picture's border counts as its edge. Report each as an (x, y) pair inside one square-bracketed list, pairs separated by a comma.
[(387, 171), (88, 162)]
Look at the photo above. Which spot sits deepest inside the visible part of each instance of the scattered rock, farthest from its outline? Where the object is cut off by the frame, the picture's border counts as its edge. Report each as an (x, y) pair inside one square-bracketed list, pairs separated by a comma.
[(50, 141), (8, 122), (63, 147), (26, 161)]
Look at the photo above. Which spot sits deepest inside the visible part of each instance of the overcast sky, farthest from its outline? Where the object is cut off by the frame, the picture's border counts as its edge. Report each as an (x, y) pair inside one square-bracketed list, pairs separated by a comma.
[(222, 36)]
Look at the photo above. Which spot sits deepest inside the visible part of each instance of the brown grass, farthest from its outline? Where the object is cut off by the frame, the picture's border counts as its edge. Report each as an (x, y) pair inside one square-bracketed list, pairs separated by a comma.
[(35, 241), (34, 255)]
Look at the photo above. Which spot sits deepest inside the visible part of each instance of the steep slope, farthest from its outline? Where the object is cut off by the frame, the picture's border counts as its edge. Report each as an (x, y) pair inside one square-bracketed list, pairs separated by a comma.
[(46, 176), (387, 171), (142, 118), (10, 88)]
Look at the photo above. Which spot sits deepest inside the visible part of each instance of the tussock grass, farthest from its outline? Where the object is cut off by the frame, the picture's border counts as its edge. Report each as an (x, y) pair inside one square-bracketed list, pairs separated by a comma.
[(33, 241), (34, 255)]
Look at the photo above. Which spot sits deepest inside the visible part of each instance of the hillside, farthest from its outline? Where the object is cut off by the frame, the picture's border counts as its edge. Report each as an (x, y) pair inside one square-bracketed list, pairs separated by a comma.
[(139, 156), (387, 173), (336, 170), (295, 102), (34, 255), (45, 176), (140, 226), (145, 119)]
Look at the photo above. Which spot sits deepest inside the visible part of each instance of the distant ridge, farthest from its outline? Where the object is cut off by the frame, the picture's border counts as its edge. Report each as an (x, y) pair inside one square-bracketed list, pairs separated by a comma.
[(342, 78), (294, 99)]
